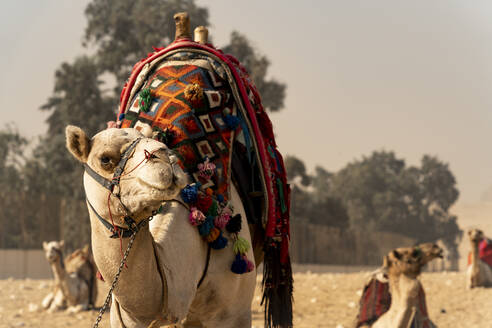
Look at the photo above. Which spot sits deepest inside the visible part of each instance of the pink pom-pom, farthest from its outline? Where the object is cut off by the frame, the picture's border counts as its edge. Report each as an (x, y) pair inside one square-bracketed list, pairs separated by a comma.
[(111, 124), (196, 216), (249, 265), (221, 221), (206, 169)]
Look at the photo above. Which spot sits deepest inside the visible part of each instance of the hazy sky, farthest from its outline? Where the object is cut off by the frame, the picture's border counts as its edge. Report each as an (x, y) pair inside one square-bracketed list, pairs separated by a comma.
[(410, 76)]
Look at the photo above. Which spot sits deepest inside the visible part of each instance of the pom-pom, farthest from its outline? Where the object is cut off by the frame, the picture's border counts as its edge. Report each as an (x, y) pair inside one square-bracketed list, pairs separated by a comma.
[(194, 94), (189, 194), (206, 169), (205, 227), (234, 224), (239, 266), (196, 216), (213, 235), (213, 210), (250, 266), (220, 242), (145, 99), (121, 117), (209, 191), (241, 246), (204, 202), (231, 121), (220, 198), (221, 220)]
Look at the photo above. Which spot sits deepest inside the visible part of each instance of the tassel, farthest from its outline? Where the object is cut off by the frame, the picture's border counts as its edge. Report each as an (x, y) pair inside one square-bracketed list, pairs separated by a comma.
[(213, 235), (196, 216), (220, 242), (206, 169), (189, 194), (239, 266), (221, 221), (121, 117), (205, 227), (231, 121), (204, 202), (220, 198), (234, 224), (241, 246), (249, 265), (213, 210), (145, 100)]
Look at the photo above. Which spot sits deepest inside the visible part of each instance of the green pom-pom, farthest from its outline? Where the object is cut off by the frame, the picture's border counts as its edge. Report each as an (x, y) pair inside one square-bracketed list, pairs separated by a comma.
[(241, 246), (145, 98), (213, 209)]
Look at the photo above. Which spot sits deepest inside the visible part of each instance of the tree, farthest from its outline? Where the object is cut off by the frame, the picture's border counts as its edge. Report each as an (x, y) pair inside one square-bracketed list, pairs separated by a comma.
[(381, 194), (311, 197), (272, 92)]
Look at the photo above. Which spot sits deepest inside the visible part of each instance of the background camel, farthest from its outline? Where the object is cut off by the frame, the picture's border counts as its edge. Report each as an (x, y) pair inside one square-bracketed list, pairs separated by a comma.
[(394, 297), (168, 257), (74, 279), (479, 273)]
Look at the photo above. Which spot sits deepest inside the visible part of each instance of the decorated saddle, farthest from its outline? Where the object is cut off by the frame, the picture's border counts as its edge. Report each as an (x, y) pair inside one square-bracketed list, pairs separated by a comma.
[(202, 104), (484, 252)]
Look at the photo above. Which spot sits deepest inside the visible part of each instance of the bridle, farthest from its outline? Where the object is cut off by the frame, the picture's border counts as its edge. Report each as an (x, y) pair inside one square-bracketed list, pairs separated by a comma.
[(118, 231)]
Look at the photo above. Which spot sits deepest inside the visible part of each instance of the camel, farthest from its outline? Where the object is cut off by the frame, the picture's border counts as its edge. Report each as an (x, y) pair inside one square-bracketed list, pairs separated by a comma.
[(478, 273), (406, 305), (75, 286), (161, 283)]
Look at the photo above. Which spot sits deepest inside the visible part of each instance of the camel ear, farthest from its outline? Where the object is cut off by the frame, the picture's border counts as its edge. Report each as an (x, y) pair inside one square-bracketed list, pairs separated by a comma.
[(45, 245), (77, 143), (396, 254), (61, 243), (180, 178)]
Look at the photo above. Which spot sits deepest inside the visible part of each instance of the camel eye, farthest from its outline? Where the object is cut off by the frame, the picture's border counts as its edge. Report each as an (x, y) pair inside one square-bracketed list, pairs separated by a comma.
[(105, 161)]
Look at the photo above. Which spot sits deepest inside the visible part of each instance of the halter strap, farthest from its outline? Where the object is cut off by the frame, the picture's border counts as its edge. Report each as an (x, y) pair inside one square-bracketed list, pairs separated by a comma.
[(124, 232), (109, 184)]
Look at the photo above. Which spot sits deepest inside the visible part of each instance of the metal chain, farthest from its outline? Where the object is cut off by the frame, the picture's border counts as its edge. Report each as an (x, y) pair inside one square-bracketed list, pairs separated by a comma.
[(115, 280)]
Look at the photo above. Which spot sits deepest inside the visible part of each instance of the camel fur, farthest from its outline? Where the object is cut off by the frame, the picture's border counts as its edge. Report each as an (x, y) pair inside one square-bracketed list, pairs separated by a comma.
[(168, 257), (478, 273), (74, 284)]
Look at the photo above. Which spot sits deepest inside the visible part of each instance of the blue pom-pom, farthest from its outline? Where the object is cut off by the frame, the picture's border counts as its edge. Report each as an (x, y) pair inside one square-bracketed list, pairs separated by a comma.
[(121, 117), (231, 121), (189, 194), (205, 227), (239, 266), (220, 198), (219, 243)]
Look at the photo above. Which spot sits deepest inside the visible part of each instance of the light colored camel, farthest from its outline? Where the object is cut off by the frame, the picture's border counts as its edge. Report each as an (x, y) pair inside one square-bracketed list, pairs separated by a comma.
[(402, 267), (168, 258), (478, 273), (73, 284)]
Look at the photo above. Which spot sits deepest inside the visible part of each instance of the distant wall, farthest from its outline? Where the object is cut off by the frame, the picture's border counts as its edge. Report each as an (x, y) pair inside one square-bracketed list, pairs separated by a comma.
[(19, 263)]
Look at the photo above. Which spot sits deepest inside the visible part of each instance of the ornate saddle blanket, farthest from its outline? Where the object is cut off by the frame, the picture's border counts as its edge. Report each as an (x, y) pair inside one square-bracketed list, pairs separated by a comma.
[(484, 252), (202, 104), (376, 300)]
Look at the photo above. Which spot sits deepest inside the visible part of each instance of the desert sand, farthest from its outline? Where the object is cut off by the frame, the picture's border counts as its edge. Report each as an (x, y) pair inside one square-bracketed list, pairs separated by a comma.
[(321, 300)]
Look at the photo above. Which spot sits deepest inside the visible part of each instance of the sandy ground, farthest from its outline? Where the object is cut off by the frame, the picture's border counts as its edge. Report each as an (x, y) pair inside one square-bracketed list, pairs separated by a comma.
[(321, 300)]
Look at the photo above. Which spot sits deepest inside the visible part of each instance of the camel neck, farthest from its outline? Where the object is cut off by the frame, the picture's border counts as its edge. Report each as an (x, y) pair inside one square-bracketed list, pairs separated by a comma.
[(140, 274), (474, 253), (404, 297), (58, 269)]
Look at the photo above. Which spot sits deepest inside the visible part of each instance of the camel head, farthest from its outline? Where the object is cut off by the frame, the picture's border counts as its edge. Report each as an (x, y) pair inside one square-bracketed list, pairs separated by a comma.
[(53, 250), (475, 235), (410, 260), (429, 251), (150, 175)]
